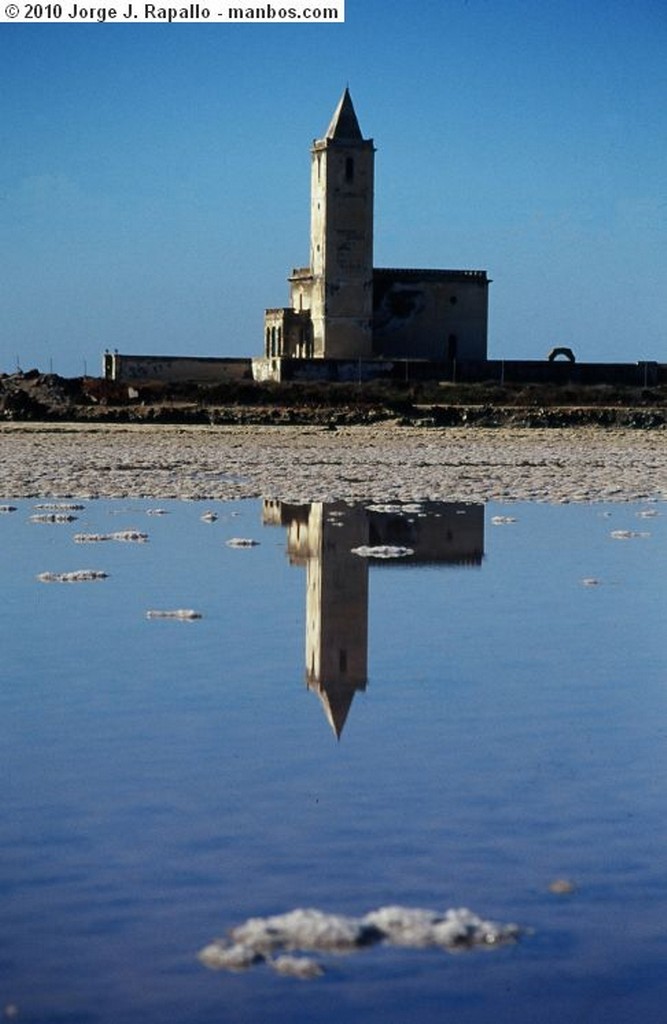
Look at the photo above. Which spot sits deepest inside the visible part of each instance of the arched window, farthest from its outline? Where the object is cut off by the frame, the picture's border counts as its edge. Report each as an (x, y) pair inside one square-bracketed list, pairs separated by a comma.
[(349, 169)]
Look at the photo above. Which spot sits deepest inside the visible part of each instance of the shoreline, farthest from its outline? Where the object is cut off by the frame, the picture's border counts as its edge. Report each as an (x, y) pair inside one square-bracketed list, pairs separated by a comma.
[(382, 461)]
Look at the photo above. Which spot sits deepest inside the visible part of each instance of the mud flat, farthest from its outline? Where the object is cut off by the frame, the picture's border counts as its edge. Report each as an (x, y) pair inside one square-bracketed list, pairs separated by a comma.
[(384, 462)]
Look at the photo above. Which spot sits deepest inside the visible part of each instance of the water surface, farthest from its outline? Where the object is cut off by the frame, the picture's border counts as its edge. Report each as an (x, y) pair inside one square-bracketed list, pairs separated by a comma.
[(457, 727)]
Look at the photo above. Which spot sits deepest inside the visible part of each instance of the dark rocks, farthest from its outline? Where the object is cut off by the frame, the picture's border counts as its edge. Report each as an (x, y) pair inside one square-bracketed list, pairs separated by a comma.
[(34, 396)]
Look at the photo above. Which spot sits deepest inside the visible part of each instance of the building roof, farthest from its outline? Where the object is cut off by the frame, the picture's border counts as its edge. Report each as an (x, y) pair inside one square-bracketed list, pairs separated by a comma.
[(344, 125), (429, 274)]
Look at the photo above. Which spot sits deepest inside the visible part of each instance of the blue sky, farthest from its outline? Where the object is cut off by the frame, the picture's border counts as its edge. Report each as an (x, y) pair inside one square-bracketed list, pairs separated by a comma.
[(154, 179)]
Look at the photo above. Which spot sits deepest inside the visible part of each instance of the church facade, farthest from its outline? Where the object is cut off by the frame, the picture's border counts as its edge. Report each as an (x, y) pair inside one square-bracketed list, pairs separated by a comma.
[(342, 307)]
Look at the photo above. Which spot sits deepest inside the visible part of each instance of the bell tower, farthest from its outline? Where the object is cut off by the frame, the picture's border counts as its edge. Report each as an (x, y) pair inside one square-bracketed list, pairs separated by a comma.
[(341, 238)]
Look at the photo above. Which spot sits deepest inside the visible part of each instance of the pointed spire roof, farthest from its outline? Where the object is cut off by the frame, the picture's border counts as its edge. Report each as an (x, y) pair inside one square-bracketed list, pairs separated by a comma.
[(344, 125), (336, 704)]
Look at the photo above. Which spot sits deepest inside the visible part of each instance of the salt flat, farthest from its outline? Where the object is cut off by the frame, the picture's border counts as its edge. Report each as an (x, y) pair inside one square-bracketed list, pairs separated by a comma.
[(381, 462)]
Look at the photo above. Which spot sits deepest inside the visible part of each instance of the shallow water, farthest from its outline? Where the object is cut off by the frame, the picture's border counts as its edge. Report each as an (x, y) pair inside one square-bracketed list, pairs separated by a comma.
[(460, 726)]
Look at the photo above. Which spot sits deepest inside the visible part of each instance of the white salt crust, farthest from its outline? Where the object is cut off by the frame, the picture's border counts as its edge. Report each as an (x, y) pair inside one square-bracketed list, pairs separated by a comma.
[(76, 576), (180, 614), (124, 536), (275, 939), (383, 463), (382, 551)]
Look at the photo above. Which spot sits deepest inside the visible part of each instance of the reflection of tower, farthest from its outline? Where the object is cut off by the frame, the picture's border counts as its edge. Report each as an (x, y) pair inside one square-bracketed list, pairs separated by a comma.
[(321, 537), (336, 608)]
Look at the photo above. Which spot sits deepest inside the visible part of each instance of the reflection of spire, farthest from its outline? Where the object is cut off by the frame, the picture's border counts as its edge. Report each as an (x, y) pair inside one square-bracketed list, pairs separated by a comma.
[(336, 701)]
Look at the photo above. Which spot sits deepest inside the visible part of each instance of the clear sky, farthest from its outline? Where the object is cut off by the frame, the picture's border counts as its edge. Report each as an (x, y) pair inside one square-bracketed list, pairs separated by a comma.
[(154, 179)]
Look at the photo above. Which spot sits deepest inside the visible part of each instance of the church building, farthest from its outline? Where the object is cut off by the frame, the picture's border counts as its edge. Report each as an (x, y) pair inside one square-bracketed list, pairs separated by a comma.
[(342, 308)]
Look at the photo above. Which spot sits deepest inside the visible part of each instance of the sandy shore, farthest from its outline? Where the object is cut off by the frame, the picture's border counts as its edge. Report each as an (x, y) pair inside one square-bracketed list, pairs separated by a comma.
[(354, 463)]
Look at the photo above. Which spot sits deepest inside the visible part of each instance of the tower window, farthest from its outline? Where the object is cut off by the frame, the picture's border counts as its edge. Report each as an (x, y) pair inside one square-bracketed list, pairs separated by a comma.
[(349, 168)]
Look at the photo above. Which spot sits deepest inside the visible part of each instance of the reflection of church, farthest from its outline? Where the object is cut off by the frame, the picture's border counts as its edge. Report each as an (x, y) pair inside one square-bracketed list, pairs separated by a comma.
[(321, 538)]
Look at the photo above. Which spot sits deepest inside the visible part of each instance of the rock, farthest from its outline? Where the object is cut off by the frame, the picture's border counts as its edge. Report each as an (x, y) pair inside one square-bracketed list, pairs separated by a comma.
[(562, 886)]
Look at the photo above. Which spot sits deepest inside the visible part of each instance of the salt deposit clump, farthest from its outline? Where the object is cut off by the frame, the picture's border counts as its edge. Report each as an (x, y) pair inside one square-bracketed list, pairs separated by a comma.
[(242, 542), (77, 576), (181, 614), (274, 940), (59, 506), (53, 517), (234, 957), (407, 926), (382, 551), (302, 929), (302, 967), (387, 507), (124, 536)]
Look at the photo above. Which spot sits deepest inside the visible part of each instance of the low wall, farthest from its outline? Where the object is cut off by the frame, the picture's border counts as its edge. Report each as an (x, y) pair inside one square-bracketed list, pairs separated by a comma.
[(508, 371), (541, 371), (174, 369), (330, 370)]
